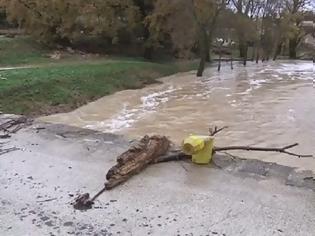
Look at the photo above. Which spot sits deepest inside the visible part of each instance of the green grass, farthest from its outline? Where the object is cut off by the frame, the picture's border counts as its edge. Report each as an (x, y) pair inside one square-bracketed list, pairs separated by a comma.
[(57, 88), (21, 50), (62, 85)]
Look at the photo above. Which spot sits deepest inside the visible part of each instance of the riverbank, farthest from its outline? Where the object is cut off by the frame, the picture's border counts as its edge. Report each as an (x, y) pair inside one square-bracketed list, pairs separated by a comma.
[(55, 163), (60, 88), (47, 82)]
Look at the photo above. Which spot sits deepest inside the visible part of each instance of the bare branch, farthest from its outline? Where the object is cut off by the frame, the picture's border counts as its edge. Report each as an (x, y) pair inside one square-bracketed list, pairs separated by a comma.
[(178, 155), (216, 130), (263, 149)]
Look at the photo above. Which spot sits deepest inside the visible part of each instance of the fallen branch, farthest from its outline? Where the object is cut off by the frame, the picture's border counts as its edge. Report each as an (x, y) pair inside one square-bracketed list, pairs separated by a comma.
[(131, 162), (136, 159), (48, 200), (4, 151), (5, 136), (216, 130), (178, 155), (263, 149), (12, 122), (12, 125)]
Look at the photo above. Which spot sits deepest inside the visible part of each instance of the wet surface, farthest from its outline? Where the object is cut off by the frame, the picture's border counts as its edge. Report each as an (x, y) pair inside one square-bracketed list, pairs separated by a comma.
[(270, 104), (56, 163)]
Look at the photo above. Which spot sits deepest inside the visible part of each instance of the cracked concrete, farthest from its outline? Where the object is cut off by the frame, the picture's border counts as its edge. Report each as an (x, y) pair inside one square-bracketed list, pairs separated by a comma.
[(231, 197)]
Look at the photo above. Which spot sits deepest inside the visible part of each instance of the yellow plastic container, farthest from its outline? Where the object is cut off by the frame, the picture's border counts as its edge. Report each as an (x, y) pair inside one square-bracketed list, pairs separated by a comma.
[(200, 147)]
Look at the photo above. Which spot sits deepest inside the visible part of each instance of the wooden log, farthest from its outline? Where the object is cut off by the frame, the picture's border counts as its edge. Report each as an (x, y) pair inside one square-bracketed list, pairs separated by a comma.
[(137, 158), (12, 125)]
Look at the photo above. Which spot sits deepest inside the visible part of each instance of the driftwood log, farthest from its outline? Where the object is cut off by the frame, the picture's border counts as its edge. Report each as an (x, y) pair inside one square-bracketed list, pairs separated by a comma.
[(130, 163), (137, 158), (10, 125)]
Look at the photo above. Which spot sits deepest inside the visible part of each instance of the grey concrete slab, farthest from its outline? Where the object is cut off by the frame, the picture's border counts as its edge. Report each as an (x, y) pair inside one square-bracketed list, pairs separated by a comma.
[(55, 163)]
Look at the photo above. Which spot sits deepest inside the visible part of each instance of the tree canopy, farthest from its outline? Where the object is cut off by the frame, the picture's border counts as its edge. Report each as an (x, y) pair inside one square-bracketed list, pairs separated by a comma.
[(185, 28)]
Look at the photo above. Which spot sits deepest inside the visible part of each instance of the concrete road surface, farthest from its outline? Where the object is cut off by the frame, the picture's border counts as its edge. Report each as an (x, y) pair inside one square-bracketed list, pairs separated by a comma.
[(231, 197)]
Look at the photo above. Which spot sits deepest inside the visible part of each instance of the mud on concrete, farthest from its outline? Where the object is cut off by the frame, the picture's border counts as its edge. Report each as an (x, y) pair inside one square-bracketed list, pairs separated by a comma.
[(233, 196)]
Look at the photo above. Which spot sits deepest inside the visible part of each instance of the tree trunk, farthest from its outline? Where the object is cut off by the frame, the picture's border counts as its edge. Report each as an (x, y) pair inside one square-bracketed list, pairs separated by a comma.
[(201, 66), (145, 10), (202, 48), (136, 159), (242, 48), (245, 55), (292, 48), (277, 51), (257, 56), (207, 48), (231, 61), (220, 56), (148, 49), (253, 52)]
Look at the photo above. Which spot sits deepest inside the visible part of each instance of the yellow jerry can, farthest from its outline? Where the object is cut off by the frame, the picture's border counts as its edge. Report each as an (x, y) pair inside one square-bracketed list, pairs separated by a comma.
[(200, 147)]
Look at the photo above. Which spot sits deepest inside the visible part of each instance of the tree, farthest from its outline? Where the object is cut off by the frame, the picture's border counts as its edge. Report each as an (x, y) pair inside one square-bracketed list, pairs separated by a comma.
[(61, 21), (295, 10), (145, 8), (186, 23), (246, 11), (41, 18), (272, 31)]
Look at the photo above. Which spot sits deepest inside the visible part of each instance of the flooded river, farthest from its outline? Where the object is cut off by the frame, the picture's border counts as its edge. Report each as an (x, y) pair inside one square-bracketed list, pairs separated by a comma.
[(270, 104)]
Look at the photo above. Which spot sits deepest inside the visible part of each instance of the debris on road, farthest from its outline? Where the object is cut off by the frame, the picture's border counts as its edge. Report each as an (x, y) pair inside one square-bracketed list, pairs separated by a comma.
[(10, 124), (157, 149)]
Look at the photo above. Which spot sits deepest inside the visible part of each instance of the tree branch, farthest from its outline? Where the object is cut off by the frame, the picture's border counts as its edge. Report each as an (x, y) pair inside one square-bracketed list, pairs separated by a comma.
[(178, 155), (4, 151), (38, 13), (216, 130), (263, 149)]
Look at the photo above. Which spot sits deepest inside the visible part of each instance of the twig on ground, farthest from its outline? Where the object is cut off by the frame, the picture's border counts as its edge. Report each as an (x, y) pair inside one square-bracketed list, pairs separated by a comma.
[(216, 130), (48, 200), (4, 136), (4, 151), (17, 128), (263, 149)]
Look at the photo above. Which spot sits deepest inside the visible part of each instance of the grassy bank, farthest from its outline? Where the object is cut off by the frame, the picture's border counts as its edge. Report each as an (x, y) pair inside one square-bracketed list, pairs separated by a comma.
[(52, 86), (63, 87)]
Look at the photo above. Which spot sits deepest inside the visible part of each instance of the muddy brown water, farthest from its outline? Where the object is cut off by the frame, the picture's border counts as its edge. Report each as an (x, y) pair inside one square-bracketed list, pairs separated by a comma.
[(270, 104)]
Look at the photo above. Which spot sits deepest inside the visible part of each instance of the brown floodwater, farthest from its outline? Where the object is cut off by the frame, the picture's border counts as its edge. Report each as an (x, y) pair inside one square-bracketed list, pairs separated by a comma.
[(270, 104)]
